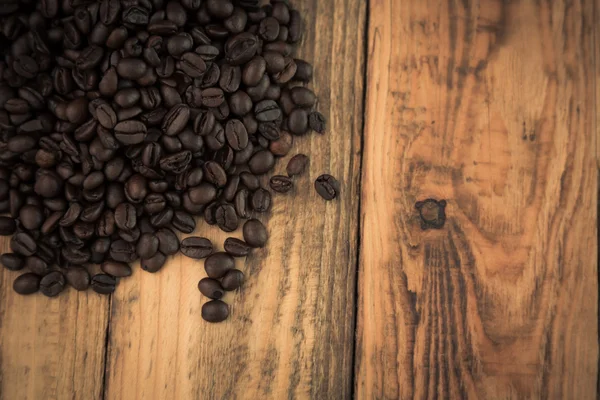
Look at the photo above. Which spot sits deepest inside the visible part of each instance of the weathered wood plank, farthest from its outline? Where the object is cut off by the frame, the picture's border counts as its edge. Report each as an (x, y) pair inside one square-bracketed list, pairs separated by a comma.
[(489, 105), (291, 329)]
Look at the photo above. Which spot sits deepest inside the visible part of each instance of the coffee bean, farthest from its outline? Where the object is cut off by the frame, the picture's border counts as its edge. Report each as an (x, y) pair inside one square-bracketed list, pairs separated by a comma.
[(75, 255), (116, 269), (154, 263), (183, 222), (232, 280), (103, 284), (11, 261), (281, 184), (125, 216), (147, 245), (130, 132), (215, 311), (52, 284), (282, 146), (168, 241), (255, 233), (162, 219), (211, 288), (131, 68), (176, 119), (226, 218), (37, 265), (297, 165), (241, 48), (231, 77), (260, 200), (241, 204), (203, 193), (78, 278), (237, 247), (22, 243), (122, 251), (217, 265), (196, 247), (261, 162), (317, 122), (298, 121), (327, 187), (27, 283)]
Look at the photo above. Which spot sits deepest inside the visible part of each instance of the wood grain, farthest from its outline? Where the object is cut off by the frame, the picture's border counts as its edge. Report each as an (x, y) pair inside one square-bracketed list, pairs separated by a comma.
[(290, 334), (50, 348), (489, 105)]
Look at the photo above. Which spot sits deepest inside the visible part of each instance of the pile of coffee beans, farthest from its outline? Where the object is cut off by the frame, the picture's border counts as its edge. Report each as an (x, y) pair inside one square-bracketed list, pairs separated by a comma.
[(122, 121)]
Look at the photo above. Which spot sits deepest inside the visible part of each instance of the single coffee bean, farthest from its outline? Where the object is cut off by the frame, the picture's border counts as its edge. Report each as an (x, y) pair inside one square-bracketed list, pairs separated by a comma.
[(131, 68), (103, 284), (130, 132), (226, 218), (317, 122), (303, 97), (196, 247), (162, 219), (237, 247), (215, 311), (168, 241), (7, 225), (327, 187), (281, 184), (52, 284), (74, 255), (236, 134), (298, 121), (123, 251), (209, 213), (217, 265), (147, 245), (13, 262), (116, 269), (249, 180), (154, 263), (37, 265), (232, 280), (203, 193), (27, 283), (176, 119), (241, 204), (255, 233), (282, 146), (297, 165), (261, 162), (24, 244), (183, 222), (260, 200), (78, 278), (231, 188), (125, 216), (211, 288)]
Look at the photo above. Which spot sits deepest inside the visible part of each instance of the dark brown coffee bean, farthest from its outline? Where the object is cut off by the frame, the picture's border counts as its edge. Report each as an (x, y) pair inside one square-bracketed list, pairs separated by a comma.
[(89, 57), (27, 283), (78, 278), (176, 119), (327, 187), (237, 247), (226, 218), (203, 193), (116, 269), (130, 132), (192, 64), (103, 284), (261, 162), (168, 241), (196, 247), (232, 280), (211, 288), (131, 68), (303, 97), (75, 255), (183, 222), (255, 233), (24, 244), (125, 216), (37, 265), (147, 245), (215, 311), (241, 204), (217, 265), (162, 219), (297, 165), (154, 263), (241, 48), (231, 77), (281, 184), (136, 188), (282, 146), (317, 122), (123, 251), (298, 121), (52, 284), (12, 262), (154, 203)]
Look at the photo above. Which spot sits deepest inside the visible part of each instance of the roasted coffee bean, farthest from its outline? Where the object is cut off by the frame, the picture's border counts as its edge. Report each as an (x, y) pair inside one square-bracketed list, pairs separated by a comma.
[(317, 122), (162, 219), (122, 251), (13, 262), (226, 217), (168, 241), (232, 280), (103, 284), (116, 269), (281, 184), (154, 263), (147, 245), (298, 121), (241, 48), (52, 284), (37, 265), (130, 132), (237, 247), (125, 216), (261, 162), (183, 222), (203, 193), (327, 187), (78, 278), (75, 255), (297, 165), (242, 208), (196, 247), (22, 243), (255, 233), (176, 119), (249, 180), (27, 283), (215, 311), (282, 146), (260, 200), (211, 288), (217, 265), (231, 78)]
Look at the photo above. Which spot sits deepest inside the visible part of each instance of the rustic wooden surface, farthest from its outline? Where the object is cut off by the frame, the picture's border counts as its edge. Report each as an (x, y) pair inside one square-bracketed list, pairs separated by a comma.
[(487, 104)]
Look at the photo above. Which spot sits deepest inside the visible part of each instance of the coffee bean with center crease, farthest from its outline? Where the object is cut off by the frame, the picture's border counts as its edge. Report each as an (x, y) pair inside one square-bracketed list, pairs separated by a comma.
[(281, 184), (237, 247), (130, 132), (327, 187), (196, 247), (168, 241), (215, 311), (122, 251), (7, 226), (211, 288), (103, 284), (24, 244), (52, 284), (78, 278), (27, 283), (183, 222), (147, 245), (260, 200), (226, 218), (125, 216)]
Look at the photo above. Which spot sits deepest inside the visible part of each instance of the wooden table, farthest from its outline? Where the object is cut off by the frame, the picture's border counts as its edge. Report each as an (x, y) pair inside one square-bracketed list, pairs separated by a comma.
[(489, 105)]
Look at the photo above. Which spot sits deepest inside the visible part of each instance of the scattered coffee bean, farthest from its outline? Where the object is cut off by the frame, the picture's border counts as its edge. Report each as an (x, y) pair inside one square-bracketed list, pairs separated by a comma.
[(13, 262), (327, 187), (27, 283), (103, 284), (237, 247), (255, 233), (297, 165), (211, 288), (217, 265), (52, 284), (215, 311), (232, 280), (281, 184), (196, 247)]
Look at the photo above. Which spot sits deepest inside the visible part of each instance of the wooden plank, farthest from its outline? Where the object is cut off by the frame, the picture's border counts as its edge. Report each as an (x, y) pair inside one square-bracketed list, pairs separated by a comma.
[(291, 329), (489, 105), (50, 348)]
